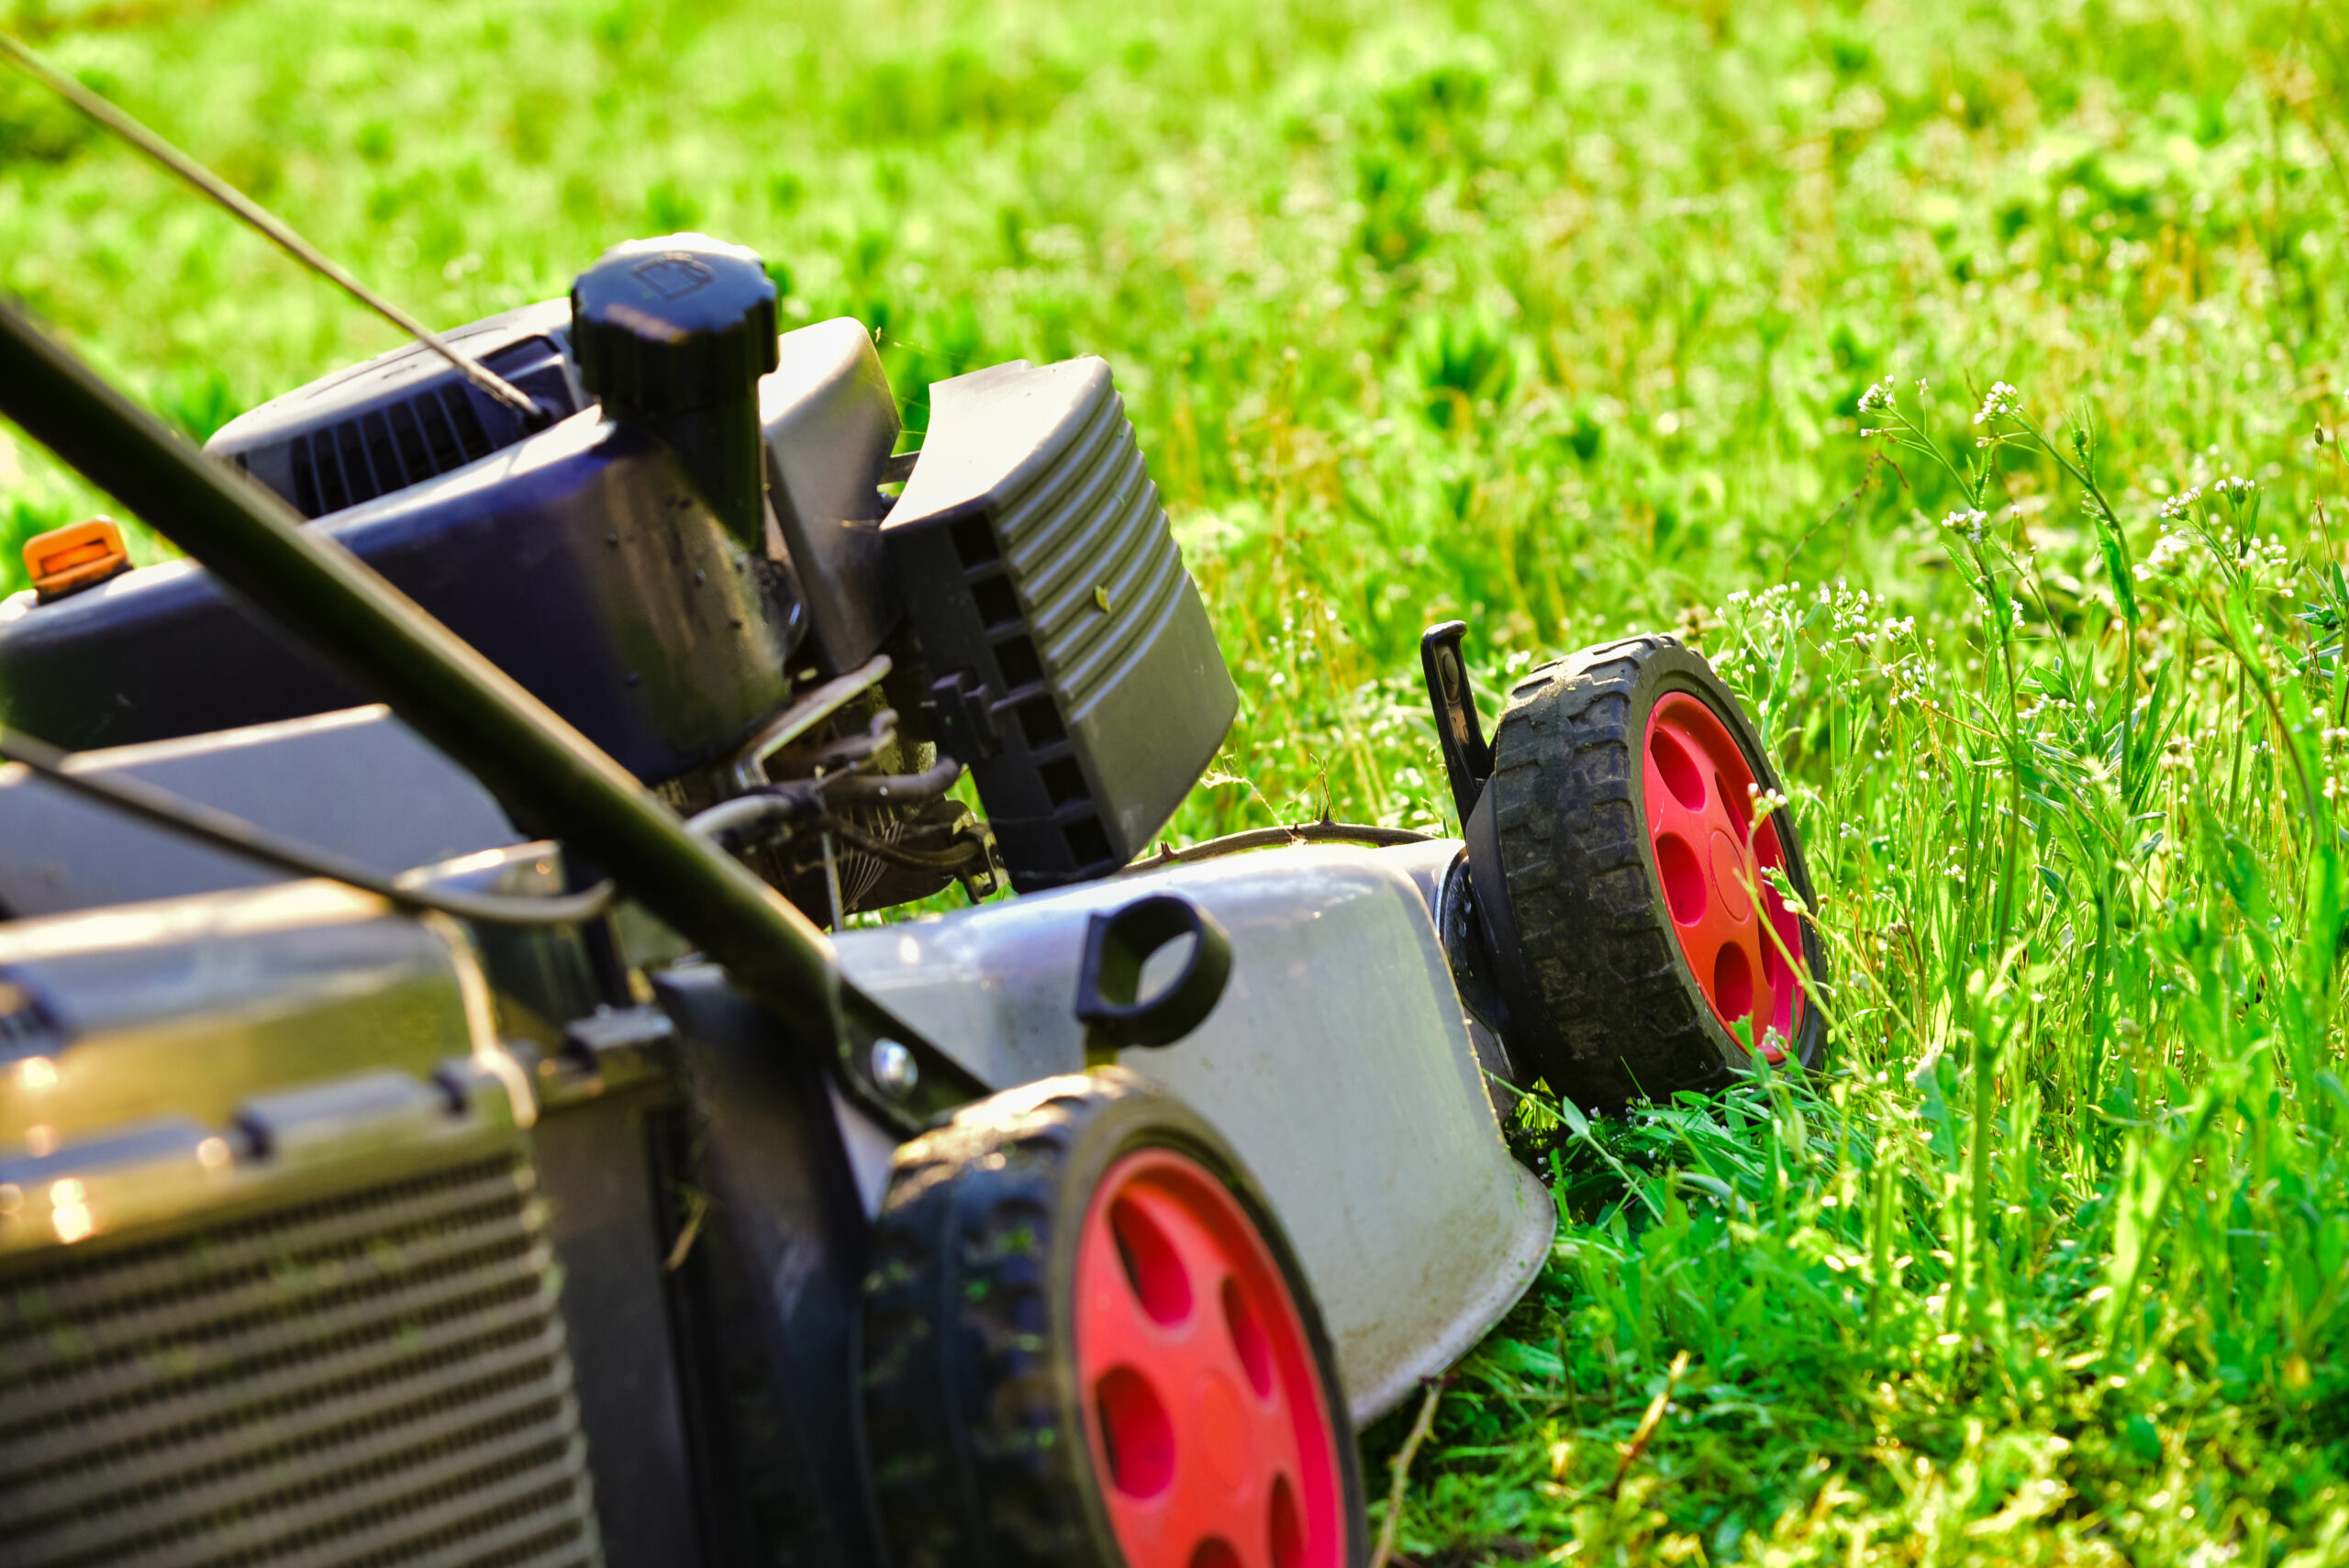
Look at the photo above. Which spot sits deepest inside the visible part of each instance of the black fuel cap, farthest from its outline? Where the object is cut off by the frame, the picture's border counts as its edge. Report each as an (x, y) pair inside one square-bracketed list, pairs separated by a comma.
[(663, 326)]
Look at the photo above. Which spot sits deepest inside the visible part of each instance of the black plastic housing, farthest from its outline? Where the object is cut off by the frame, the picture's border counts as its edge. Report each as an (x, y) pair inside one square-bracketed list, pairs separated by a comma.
[(1072, 667), (581, 560), (675, 334)]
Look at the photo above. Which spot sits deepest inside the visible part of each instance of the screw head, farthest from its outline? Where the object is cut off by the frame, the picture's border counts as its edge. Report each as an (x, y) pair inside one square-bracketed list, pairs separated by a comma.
[(893, 1068)]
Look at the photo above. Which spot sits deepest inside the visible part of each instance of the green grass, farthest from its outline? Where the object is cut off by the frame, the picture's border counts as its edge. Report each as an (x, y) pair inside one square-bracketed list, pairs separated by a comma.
[(1559, 319)]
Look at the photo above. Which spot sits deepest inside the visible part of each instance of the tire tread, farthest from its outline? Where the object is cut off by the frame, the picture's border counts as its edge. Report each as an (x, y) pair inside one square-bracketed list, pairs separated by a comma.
[(1618, 1017)]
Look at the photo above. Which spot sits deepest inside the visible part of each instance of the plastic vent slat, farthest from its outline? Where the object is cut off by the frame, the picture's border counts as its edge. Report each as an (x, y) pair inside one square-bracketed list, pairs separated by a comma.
[(334, 1373), (333, 493), (1099, 668), (364, 486), (376, 1378), (1032, 521), (251, 1341), (306, 481), (390, 473), (315, 1488), (1122, 555), (467, 422), (446, 454), (460, 1524), (412, 416), (410, 442)]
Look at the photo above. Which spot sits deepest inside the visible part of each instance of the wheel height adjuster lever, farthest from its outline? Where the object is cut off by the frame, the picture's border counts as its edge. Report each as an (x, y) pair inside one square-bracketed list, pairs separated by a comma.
[(1467, 760)]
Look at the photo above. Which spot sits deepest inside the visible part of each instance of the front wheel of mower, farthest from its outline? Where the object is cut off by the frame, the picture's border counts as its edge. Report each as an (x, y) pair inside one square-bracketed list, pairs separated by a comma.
[(1626, 882), (1087, 1345)]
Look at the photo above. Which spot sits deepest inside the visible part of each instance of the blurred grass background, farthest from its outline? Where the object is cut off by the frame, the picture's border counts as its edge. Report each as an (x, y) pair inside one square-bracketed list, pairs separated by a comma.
[(1558, 318)]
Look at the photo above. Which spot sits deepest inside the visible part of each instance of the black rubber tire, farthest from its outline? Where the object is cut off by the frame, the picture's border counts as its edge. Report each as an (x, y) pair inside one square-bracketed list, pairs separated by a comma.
[(1602, 1004), (973, 1415)]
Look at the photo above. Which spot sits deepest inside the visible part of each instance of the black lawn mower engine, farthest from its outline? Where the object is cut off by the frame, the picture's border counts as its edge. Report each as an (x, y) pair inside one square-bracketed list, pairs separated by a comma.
[(694, 558)]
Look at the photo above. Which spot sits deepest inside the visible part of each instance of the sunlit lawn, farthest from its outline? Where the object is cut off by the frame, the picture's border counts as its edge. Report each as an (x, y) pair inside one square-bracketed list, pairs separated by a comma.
[(1559, 319)]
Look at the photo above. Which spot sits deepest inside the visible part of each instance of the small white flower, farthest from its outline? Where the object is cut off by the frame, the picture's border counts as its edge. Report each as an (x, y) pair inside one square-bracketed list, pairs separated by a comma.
[(2004, 402), (1877, 396), (2167, 551)]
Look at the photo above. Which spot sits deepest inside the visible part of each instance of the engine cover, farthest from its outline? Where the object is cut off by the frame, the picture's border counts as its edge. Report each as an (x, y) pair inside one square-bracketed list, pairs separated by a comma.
[(580, 561)]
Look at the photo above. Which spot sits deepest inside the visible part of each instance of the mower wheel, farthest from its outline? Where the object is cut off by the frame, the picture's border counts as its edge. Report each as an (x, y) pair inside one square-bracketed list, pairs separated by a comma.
[(1088, 1345), (1625, 883)]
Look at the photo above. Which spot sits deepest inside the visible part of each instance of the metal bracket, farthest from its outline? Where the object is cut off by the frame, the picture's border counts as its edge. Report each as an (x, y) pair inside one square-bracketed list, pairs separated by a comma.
[(1467, 761), (748, 767)]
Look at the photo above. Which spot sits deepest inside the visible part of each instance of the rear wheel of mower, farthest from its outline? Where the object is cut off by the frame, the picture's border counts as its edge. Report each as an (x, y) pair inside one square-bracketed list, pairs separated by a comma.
[(1625, 883), (1087, 1342)]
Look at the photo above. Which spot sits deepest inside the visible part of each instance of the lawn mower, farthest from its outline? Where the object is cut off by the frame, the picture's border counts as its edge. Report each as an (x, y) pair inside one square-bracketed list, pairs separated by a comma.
[(457, 1105)]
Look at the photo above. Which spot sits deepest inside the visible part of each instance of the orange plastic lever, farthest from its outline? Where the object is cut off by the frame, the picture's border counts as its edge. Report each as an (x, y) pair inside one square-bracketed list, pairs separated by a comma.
[(79, 555)]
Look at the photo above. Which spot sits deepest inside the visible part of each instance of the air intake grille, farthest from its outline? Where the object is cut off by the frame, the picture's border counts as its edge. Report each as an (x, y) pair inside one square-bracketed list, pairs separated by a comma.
[(387, 449), (394, 436), (370, 1379)]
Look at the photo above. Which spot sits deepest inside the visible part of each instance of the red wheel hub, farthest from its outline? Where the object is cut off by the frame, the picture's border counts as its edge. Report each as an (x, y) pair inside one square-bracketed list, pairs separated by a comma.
[(1715, 869), (1203, 1401)]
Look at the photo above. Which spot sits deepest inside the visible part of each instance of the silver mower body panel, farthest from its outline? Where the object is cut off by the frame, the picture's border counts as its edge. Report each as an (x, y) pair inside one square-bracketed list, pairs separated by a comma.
[(358, 784), (1338, 1062)]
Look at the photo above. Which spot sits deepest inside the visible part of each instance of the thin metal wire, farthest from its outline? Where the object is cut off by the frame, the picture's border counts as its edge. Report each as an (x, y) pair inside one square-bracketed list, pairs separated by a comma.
[(267, 224), (833, 883)]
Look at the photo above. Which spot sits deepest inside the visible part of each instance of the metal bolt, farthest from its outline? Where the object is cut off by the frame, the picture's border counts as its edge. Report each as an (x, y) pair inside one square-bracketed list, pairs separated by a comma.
[(893, 1068)]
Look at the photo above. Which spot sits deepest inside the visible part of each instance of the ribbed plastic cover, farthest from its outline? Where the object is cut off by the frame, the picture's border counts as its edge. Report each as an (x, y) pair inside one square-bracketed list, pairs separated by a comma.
[(1044, 579), (375, 1377)]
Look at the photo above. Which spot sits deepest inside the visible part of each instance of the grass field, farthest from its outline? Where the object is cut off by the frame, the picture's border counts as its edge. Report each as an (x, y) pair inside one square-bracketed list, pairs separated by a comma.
[(1564, 319)]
